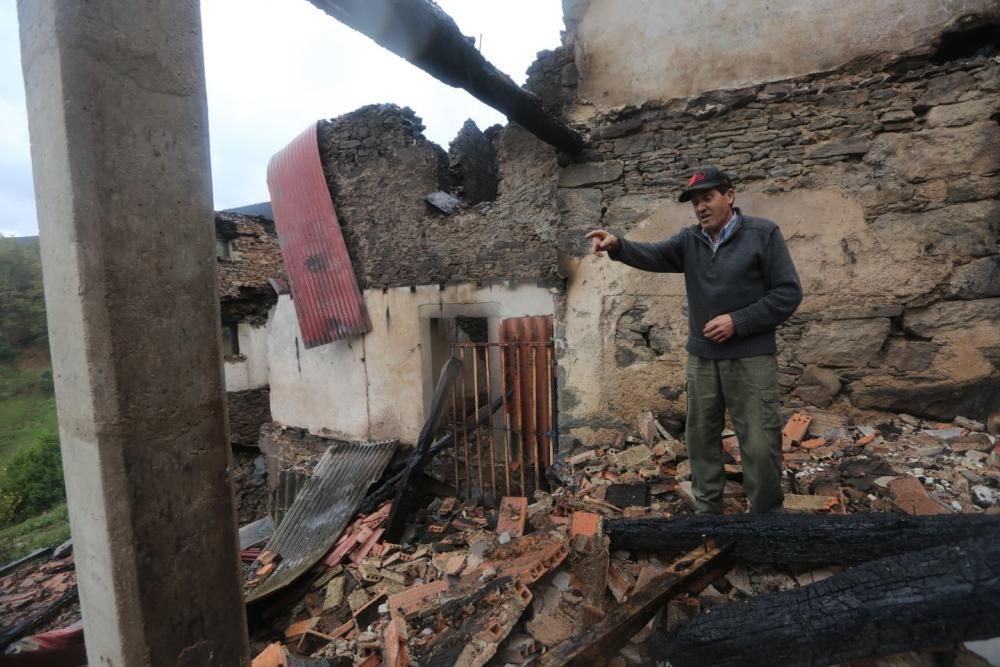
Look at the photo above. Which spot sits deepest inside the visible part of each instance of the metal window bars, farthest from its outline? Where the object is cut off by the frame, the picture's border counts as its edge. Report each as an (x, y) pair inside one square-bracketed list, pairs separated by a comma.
[(508, 455)]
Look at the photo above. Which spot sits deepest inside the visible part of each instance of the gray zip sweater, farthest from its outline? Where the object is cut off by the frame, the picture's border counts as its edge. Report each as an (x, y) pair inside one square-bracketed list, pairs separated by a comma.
[(750, 276)]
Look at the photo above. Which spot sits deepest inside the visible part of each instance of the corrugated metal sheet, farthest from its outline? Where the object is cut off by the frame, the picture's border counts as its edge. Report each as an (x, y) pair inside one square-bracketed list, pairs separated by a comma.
[(290, 482), (322, 509), (328, 302), (256, 532), (529, 371), (508, 456)]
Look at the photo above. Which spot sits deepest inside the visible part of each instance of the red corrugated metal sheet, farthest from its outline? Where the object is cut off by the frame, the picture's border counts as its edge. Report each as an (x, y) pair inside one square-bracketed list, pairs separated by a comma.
[(530, 372), (328, 302)]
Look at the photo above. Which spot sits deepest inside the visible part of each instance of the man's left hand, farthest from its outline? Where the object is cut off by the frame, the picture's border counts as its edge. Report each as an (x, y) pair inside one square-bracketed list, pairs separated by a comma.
[(720, 329)]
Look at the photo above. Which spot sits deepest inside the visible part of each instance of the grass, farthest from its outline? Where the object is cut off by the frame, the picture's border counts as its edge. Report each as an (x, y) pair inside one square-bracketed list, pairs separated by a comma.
[(48, 529), (26, 410), (22, 420)]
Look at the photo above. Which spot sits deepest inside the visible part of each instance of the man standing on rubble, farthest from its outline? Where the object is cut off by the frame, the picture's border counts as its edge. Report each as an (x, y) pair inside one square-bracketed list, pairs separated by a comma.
[(741, 284)]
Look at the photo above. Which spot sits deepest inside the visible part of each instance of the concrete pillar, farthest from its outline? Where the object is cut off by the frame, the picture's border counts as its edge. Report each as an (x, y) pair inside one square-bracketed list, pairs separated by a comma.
[(119, 141)]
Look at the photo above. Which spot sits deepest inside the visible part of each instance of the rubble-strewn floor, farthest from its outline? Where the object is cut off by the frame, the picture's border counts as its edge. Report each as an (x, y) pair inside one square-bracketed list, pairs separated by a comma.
[(470, 585)]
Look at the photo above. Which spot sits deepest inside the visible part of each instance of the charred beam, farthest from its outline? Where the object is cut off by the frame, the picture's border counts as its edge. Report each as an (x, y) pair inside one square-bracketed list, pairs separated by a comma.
[(692, 572), (407, 489), (904, 603), (423, 34), (801, 538), (386, 489)]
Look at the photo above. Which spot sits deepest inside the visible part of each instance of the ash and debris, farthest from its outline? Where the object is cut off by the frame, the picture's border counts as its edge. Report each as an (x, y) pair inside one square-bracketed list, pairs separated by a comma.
[(449, 593)]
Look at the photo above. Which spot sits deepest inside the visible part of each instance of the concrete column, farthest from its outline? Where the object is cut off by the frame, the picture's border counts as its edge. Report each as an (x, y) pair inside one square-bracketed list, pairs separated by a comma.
[(119, 140)]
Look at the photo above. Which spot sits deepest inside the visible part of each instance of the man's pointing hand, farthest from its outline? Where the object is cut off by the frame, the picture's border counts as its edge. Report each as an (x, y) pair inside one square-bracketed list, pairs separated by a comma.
[(601, 241)]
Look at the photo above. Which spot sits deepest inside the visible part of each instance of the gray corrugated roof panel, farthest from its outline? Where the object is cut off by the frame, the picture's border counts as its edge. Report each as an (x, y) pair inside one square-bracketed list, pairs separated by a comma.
[(322, 509), (256, 532)]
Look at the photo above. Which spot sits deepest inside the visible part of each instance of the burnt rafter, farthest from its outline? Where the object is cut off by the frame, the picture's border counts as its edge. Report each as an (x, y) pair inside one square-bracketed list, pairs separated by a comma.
[(422, 33)]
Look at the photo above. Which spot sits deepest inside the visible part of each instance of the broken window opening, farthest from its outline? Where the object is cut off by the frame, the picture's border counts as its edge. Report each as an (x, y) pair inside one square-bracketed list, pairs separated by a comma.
[(973, 38), (230, 340), (223, 249)]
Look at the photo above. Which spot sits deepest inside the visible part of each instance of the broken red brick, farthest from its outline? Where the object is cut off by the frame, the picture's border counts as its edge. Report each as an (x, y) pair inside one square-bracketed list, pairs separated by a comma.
[(584, 523), (367, 547), (911, 497), (274, 655), (513, 513), (795, 430), (394, 640), (300, 627), (813, 444)]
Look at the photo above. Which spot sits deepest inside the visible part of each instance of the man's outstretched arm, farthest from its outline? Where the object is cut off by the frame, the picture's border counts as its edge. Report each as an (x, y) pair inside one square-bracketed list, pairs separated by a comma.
[(665, 256)]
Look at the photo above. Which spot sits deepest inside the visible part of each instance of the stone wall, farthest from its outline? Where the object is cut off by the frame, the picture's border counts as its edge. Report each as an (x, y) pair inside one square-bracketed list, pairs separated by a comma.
[(248, 410), (884, 178), (380, 167), (254, 257), (472, 164)]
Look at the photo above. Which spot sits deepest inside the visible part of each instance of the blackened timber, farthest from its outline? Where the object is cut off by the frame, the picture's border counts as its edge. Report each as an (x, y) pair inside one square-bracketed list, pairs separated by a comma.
[(386, 489), (903, 603), (803, 538), (690, 573), (426, 36), (407, 488)]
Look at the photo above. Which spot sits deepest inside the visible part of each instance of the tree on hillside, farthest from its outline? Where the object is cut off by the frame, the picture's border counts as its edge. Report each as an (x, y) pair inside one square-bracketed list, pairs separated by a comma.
[(22, 302)]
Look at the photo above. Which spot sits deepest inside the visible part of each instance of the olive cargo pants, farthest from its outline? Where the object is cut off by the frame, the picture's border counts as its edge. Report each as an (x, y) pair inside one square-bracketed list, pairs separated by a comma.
[(749, 388)]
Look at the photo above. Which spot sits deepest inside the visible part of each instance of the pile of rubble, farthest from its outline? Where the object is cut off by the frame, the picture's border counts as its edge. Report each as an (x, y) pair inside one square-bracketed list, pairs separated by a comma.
[(37, 593), (539, 581), (901, 464), (611, 566)]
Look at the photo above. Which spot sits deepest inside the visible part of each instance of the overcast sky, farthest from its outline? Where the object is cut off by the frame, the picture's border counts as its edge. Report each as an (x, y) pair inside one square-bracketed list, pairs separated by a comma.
[(273, 67)]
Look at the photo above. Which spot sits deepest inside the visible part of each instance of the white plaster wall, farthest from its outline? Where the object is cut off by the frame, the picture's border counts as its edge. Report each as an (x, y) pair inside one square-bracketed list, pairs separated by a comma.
[(631, 51), (324, 389), (251, 372), (378, 386)]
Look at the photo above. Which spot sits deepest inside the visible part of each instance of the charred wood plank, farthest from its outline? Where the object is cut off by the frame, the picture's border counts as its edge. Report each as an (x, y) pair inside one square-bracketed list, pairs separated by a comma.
[(387, 489), (27, 626), (422, 33), (691, 572), (801, 538), (903, 603), (407, 487)]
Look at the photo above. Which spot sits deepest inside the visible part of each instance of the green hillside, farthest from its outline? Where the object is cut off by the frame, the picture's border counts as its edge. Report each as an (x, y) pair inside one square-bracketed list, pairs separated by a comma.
[(32, 508)]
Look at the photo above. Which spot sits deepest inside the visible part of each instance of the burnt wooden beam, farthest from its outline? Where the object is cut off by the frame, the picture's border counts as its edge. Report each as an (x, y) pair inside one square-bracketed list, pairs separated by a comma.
[(386, 489), (692, 572), (407, 487), (802, 538), (422, 33), (904, 603)]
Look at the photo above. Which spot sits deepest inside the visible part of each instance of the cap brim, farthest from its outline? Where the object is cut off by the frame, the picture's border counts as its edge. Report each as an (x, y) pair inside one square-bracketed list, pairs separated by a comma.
[(704, 185)]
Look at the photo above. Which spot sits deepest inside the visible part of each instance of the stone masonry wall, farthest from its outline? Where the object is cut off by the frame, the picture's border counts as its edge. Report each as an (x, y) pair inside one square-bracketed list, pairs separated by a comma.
[(248, 410), (380, 167), (884, 177), (254, 258)]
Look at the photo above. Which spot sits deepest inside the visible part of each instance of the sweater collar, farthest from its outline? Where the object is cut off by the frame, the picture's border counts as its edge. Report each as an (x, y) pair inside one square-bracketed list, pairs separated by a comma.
[(726, 232)]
